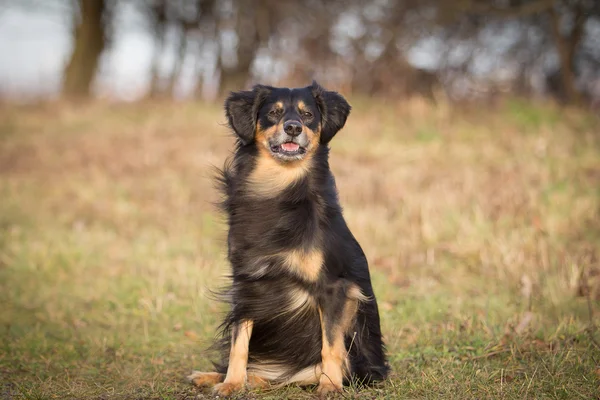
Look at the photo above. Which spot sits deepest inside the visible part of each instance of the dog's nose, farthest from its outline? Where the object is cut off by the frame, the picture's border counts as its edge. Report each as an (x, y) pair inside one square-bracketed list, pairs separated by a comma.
[(292, 128)]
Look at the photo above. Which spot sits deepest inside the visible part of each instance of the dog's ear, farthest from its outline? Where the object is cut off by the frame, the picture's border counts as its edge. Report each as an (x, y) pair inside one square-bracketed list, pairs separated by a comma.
[(334, 111), (241, 109)]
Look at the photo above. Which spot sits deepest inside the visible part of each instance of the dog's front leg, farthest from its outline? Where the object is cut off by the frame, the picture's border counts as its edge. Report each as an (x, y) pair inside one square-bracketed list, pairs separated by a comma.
[(337, 315), (238, 360)]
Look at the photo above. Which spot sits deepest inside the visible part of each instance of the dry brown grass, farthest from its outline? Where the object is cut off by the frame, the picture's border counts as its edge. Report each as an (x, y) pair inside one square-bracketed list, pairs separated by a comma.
[(482, 229)]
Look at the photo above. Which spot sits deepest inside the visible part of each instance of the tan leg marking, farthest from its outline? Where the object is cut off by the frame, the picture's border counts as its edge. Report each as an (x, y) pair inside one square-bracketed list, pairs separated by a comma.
[(334, 355), (205, 379), (238, 361)]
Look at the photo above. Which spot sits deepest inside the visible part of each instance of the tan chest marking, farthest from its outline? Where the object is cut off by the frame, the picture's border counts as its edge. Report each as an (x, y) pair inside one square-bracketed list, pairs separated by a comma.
[(269, 177)]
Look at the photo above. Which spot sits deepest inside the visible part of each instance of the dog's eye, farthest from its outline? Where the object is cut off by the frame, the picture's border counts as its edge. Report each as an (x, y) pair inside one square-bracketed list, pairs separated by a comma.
[(275, 112), (307, 114)]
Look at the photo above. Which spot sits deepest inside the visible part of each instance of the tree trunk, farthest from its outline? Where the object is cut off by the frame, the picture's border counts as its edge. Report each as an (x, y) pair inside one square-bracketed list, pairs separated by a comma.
[(181, 53), (235, 78), (567, 47), (89, 43), (159, 44), (247, 29)]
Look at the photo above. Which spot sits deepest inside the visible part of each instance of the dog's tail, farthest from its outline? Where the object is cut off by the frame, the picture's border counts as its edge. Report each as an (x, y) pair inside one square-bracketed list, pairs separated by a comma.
[(280, 374)]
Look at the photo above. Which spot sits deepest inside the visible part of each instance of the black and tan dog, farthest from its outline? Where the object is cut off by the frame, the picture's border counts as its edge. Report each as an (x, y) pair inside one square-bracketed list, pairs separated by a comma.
[(302, 306)]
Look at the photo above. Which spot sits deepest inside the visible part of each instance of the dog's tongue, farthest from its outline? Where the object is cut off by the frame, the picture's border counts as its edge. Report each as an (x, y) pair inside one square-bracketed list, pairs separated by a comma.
[(290, 146)]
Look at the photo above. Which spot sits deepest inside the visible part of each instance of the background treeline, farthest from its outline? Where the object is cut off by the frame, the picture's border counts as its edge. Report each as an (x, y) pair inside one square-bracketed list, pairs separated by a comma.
[(467, 49)]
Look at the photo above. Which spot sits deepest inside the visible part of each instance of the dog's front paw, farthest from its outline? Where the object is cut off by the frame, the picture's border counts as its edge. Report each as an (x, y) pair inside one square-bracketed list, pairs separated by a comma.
[(205, 379), (227, 389), (327, 388)]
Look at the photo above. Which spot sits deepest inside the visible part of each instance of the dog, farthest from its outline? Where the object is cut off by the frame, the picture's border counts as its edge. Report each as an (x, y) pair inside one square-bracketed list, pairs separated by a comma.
[(303, 309)]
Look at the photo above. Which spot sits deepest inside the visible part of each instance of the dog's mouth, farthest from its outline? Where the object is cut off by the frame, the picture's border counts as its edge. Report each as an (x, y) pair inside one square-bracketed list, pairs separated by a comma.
[(288, 149)]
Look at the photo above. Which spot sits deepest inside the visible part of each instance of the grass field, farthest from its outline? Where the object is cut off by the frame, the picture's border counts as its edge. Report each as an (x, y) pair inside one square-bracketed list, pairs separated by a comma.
[(482, 229)]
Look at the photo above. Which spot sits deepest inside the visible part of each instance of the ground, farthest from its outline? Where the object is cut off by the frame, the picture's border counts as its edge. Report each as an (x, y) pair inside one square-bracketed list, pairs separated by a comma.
[(481, 227)]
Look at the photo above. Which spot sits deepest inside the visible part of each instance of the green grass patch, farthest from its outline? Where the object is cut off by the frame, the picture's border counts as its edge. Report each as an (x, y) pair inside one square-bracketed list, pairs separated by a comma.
[(482, 235)]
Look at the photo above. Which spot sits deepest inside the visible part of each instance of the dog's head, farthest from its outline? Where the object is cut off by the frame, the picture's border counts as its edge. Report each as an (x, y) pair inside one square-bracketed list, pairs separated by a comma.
[(287, 123)]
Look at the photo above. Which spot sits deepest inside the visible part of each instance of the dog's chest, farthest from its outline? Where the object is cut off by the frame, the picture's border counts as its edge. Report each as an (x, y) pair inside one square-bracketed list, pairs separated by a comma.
[(273, 235)]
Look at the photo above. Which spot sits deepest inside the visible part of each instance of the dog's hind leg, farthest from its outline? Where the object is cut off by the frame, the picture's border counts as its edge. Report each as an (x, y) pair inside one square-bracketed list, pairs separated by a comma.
[(238, 360), (337, 315)]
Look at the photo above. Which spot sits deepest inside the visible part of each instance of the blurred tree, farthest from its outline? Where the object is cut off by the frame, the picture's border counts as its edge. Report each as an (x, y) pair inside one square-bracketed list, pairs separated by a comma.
[(559, 27), (191, 23), (480, 47), (90, 18), (568, 20), (157, 15), (253, 23)]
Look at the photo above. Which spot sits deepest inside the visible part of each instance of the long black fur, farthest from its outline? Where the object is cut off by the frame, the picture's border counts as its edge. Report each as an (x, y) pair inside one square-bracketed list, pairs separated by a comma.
[(305, 215)]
